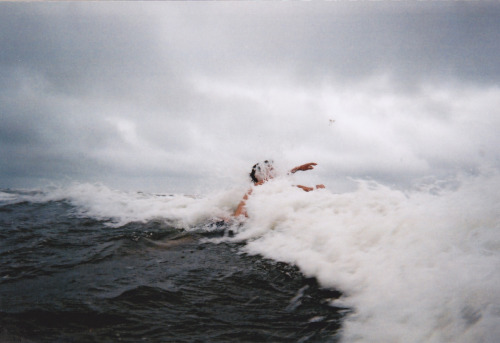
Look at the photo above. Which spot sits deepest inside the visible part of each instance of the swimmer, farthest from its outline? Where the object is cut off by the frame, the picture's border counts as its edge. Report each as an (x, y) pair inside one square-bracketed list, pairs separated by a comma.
[(263, 172)]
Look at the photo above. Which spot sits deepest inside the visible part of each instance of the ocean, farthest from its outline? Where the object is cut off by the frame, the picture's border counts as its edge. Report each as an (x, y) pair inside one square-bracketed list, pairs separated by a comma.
[(87, 263)]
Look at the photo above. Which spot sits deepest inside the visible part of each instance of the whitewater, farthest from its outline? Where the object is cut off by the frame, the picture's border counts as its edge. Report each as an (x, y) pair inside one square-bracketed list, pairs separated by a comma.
[(413, 265), (417, 266)]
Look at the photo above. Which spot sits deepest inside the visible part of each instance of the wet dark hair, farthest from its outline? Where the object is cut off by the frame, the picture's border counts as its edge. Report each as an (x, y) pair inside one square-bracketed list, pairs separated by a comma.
[(255, 168), (252, 174)]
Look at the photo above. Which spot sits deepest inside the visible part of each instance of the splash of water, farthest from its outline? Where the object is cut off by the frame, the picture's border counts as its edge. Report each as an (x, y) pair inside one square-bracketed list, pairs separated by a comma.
[(419, 266), (414, 266)]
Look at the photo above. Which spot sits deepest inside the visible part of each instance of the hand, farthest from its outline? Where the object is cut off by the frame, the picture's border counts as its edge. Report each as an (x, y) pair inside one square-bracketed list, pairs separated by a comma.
[(304, 167), (305, 188), (320, 186)]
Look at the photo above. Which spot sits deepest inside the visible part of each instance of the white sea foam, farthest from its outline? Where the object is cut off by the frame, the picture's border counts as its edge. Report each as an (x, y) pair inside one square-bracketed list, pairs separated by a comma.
[(414, 266), (8, 198), (121, 207), (420, 266)]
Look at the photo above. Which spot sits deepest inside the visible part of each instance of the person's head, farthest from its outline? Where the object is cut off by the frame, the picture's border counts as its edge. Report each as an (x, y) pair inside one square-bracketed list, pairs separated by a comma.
[(262, 171)]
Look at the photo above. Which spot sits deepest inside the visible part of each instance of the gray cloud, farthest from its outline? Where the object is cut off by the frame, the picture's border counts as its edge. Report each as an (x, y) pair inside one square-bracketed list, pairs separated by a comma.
[(345, 41), (181, 94)]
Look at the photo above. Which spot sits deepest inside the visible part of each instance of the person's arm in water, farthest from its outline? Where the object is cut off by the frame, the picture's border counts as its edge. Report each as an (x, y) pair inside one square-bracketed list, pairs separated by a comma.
[(241, 210), (308, 189), (304, 167)]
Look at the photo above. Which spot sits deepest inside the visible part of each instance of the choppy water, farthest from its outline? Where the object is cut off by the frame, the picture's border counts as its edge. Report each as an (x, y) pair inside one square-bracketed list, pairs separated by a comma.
[(87, 263), (68, 277)]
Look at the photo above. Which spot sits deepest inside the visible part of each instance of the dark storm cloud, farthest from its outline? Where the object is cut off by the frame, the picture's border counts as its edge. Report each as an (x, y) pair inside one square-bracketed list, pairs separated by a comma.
[(175, 88), (82, 47), (61, 65), (120, 48), (349, 41), (76, 49)]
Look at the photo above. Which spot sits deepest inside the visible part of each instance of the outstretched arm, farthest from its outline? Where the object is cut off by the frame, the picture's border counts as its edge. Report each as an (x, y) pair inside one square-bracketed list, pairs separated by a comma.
[(304, 167), (308, 189)]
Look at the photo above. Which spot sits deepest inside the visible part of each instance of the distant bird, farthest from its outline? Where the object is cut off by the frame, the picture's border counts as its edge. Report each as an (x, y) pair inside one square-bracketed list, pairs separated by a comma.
[(331, 122)]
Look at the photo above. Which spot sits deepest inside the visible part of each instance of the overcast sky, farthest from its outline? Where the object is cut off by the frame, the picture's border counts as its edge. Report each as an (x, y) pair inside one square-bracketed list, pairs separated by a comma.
[(182, 97)]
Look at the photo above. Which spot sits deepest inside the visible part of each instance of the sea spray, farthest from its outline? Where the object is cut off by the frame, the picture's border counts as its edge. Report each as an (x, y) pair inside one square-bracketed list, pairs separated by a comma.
[(414, 266), (121, 207)]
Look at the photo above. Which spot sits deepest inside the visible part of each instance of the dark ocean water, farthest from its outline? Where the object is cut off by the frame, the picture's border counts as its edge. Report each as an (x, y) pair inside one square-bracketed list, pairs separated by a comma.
[(65, 277)]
